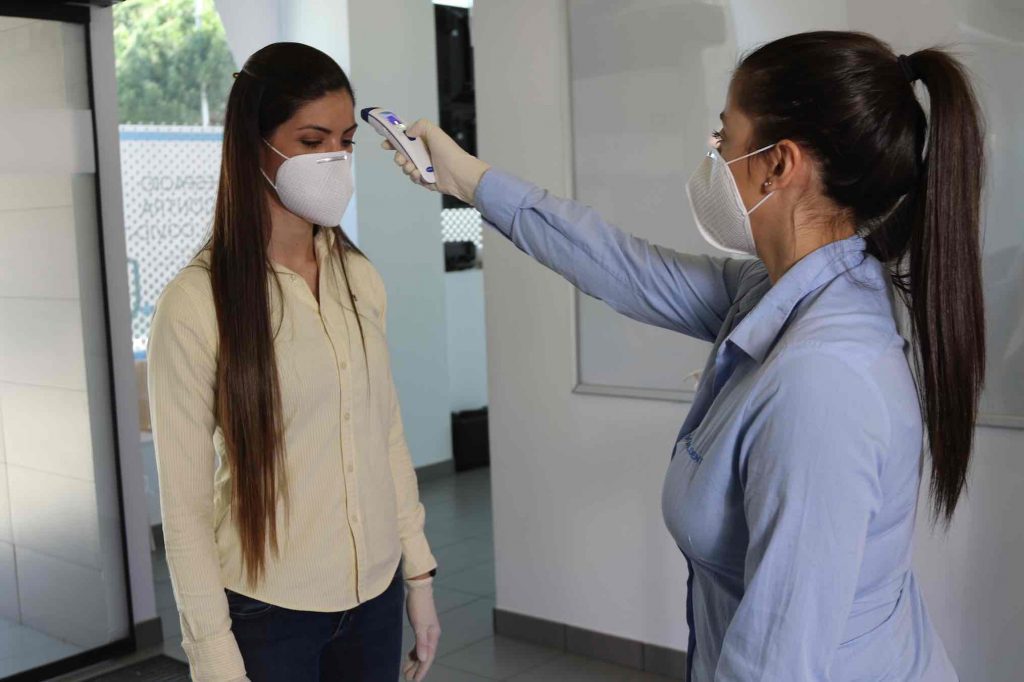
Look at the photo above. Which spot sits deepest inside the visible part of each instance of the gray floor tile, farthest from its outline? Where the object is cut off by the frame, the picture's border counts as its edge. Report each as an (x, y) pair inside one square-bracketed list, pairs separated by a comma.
[(164, 595), (466, 625), (442, 673), (568, 668), (160, 570), (476, 580), (174, 650), (446, 598), (460, 529), (499, 658), (465, 554), (439, 538), (171, 625)]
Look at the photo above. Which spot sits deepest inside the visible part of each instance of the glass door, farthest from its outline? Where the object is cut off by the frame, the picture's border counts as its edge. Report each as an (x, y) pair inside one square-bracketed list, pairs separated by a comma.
[(63, 584)]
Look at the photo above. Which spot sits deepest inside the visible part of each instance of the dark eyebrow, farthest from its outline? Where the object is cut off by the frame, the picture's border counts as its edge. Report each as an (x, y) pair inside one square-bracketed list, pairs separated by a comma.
[(721, 117), (327, 131)]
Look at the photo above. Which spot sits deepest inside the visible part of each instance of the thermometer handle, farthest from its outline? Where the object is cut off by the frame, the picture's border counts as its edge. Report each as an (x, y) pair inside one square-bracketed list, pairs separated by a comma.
[(389, 126)]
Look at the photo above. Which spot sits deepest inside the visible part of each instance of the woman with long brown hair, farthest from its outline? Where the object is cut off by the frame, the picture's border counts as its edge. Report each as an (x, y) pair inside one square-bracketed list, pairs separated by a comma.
[(290, 506), (793, 486)]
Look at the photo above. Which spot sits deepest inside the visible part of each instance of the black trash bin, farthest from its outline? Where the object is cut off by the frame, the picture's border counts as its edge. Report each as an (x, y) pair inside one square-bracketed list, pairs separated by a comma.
[(470, 447)]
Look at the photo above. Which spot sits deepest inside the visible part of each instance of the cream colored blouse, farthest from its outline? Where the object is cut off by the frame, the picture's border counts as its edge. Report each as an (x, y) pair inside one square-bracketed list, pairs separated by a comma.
[(354, 509)]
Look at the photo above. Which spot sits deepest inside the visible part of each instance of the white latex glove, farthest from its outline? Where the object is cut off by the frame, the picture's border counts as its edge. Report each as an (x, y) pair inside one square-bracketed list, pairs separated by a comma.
[(419, 604), (457, 172)]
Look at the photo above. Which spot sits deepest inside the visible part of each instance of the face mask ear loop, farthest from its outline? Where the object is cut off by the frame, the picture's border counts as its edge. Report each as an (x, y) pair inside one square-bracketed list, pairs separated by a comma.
[(269, 182), (766, 198), (288, 157), (279, 154), (740, 158)]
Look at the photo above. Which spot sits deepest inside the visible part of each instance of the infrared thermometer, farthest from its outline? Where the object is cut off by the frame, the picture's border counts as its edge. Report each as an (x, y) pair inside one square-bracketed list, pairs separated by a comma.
[(391, 127)]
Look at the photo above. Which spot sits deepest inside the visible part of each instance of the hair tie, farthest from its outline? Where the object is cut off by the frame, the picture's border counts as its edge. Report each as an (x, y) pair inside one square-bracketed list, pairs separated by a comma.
[(908, 69)]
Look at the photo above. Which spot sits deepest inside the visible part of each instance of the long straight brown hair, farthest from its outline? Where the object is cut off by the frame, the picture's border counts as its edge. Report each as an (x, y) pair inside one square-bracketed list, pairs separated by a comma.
[(914, 186), (273, 84)]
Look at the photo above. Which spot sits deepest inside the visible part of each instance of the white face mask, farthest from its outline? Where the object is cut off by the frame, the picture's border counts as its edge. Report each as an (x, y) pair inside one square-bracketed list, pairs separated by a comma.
[(316, 187), (722, 218)]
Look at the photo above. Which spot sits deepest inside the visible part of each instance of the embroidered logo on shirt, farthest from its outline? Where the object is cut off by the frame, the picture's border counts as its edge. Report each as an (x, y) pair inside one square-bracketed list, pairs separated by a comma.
[(694, 455)]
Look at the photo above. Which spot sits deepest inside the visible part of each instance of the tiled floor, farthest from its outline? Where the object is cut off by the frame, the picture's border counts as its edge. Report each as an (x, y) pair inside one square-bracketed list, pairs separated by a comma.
[(22, 648), (459, 528)]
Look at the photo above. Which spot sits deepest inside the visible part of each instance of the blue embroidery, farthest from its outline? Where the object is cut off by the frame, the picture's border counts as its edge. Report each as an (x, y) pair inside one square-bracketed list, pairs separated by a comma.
[(694, 455)]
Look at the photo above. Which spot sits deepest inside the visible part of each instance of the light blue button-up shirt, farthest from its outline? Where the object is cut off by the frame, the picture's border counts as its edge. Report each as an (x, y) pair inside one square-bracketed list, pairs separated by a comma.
[(793, 486)]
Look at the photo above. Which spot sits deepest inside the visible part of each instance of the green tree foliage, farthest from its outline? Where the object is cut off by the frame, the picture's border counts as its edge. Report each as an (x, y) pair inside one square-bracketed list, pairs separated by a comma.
[(164, 59)]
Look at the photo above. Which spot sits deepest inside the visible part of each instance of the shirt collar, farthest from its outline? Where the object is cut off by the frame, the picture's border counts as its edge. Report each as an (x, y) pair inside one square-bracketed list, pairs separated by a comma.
[(757, 332)]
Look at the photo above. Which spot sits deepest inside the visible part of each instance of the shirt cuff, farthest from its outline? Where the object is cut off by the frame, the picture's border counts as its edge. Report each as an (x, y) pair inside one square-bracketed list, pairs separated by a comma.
[(416, 556), (499, 195), (215, 659)]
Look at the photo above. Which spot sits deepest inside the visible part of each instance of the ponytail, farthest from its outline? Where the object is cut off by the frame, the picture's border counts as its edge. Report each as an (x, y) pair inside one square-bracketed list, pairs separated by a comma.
[(942, 285), (914, 187)]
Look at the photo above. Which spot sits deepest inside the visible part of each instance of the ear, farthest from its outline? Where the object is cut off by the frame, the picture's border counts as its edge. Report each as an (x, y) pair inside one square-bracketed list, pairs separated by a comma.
[(787, 165)]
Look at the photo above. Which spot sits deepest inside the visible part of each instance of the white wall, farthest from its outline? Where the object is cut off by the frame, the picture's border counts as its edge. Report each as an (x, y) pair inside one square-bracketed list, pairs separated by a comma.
[(579, 537), (576, 479), (394, 65), (467, 339)]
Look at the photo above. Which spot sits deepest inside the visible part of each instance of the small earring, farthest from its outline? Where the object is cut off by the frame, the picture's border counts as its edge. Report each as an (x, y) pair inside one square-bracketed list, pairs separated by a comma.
[(767, 183)]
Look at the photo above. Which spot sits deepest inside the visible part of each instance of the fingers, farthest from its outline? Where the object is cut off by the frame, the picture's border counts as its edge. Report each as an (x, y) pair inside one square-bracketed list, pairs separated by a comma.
[(411, 667), (433, 636), (422, 657), (419, 128), (386, 144), (410, 169)]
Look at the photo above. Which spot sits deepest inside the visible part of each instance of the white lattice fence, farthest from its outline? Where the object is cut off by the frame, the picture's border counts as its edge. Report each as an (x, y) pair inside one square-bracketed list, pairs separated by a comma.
[(462, 225), (169, 179)]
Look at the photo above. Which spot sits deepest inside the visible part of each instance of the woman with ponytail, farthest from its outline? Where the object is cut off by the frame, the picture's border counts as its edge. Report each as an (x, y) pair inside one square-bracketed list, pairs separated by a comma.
[(292, 523), (792, 490)]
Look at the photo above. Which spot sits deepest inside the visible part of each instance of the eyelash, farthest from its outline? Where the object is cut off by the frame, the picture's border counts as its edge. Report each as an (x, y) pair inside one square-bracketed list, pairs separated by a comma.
[(312, 144), (716, 135)]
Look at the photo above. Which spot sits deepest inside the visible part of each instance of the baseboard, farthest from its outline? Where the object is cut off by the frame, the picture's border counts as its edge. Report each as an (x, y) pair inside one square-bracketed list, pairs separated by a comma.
[(619, 650), (432, 472), (148, 633)]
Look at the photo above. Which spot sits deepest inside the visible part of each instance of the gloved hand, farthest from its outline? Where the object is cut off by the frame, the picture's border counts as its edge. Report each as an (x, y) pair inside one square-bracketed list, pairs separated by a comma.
[(458, 173), (419, 604)]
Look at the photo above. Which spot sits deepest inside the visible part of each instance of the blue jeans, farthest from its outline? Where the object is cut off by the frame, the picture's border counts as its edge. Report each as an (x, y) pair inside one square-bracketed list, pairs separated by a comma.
[(281, 645)]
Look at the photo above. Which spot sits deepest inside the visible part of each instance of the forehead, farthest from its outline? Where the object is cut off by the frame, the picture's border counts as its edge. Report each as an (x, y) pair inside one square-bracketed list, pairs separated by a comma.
[(734, 117), (334, 110)]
